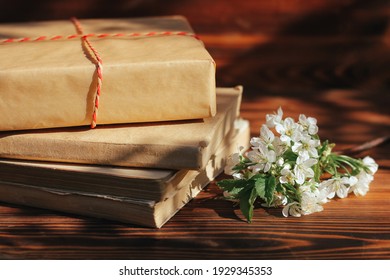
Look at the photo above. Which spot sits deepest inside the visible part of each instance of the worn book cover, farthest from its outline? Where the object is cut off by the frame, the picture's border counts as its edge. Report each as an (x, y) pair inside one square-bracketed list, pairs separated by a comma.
[(101, 203), (137, 183), (169, 145), (147, 70)]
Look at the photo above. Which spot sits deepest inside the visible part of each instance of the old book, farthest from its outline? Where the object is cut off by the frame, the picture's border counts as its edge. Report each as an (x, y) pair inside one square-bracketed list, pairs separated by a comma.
[(172, 145), (137, 183), (154, 69), (101, 203)]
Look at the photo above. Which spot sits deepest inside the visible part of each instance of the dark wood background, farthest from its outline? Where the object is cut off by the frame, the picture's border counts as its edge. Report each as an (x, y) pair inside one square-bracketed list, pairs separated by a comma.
[(272, 45), (326, 59)]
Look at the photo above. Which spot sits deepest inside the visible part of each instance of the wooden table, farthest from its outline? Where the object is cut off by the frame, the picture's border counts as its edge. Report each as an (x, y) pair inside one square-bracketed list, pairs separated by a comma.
[(342, 80), (208, 228)]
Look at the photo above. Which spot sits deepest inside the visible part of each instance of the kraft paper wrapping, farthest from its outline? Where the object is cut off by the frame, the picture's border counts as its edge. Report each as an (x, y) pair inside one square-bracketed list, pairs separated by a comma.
[(173, 145), (52, 83)]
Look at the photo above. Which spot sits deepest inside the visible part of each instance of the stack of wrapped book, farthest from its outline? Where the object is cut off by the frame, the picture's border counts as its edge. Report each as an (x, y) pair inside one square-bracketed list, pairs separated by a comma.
[(163, 129)]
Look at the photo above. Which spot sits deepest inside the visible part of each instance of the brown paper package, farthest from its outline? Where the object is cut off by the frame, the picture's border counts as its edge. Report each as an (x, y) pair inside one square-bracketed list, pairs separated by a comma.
[(173, 145), (52, 83)]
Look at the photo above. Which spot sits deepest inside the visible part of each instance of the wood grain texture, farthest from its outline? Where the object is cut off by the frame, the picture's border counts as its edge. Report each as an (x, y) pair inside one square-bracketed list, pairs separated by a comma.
[(326, 59), (210, 228)]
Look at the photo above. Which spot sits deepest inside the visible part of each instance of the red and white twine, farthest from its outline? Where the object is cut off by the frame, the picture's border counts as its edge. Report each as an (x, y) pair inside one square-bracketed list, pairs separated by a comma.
[(99, 36), (99, 70), (98, 60)]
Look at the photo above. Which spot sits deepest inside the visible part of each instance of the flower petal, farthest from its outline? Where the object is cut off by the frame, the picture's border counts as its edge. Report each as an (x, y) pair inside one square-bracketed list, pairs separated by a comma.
[(286, 210)]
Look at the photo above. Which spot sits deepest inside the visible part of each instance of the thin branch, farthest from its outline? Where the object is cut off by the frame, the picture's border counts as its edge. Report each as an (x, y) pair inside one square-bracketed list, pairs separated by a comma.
[(365, 146)]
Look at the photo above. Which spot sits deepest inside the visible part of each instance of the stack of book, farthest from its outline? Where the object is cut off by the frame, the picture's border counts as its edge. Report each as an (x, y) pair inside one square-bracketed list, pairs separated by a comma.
[(89, 172), (137, 172)]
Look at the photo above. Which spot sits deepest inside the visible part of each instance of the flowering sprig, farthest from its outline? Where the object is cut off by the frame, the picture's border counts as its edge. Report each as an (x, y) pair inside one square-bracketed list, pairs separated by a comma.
[(286, 166)]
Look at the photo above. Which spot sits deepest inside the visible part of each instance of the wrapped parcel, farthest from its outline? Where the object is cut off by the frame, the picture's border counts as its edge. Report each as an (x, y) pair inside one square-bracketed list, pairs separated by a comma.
[(49, 79), (174, 145)]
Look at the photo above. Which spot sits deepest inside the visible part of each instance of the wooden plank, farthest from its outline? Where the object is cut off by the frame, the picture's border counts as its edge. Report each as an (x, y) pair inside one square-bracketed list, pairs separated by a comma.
[(209, 228)]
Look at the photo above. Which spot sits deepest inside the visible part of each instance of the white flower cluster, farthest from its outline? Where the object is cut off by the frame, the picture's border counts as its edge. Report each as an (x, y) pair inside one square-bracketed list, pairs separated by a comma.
[(292, 153)]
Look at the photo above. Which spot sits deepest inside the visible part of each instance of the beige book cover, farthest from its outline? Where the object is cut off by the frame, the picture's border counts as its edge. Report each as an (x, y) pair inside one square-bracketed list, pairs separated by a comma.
[(145, 212), (138, 183), (169, 145), (49, 77)]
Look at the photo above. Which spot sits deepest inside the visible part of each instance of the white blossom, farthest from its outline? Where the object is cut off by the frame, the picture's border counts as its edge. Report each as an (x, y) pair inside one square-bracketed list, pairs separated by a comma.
[(262, 157), (232, 161), (309, 124), (293, 209), (266, 137), (311, 198), (362, 186), (371, 164), (289, 131), (273, 119), (322, 194), (238, 176), (306, 146), (364, 178), (280, 161), (279, 146), (289, 154), (338, 186), (303, 170), (309, 203), (286, 175)]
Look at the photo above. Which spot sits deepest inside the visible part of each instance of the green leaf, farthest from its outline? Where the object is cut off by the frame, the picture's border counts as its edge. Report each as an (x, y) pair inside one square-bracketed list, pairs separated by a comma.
[(233, 187), (270, 184), (260, 187), (317, 172), (239, 167), (355, 172), (247, 191), (279, 188), (247, 200), (323, 147), (230, 184), (289, 155), (291, 192), (243, 164)]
